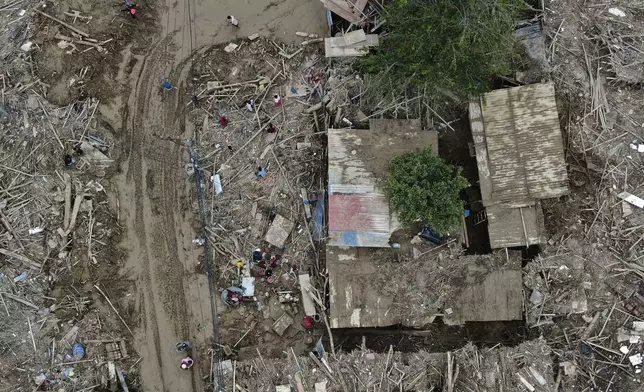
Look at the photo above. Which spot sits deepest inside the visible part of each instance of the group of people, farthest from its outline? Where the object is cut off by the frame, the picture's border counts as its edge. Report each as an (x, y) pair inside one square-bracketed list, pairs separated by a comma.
[(187, 362)]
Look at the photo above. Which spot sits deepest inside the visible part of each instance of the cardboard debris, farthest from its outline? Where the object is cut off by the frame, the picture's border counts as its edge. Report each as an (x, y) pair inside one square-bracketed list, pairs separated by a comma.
[(279, 231), (320, 386), (281, 325), (93, 155), (248, 285), (231, 47)]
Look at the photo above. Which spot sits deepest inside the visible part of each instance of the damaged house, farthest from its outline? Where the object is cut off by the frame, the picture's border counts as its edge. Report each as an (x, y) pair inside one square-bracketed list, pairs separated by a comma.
[(367, 288), (520, 157)]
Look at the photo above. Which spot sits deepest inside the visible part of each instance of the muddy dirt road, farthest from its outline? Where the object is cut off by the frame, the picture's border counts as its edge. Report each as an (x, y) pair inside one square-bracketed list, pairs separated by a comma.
[(153, 190)]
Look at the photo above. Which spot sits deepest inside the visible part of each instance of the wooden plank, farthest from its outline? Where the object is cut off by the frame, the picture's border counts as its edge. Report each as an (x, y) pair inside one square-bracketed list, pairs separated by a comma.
[(354, 37), (307, 301), (21, 258), (341, 12), (370, 40), (19, 299), (360, 4), (72, 28), (340, 42), (335, 42), (306, 202), (343, 52)]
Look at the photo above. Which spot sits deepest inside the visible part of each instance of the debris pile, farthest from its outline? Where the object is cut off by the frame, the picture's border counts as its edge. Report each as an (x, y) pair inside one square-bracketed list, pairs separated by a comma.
[(596, 59), (587, 304), (525, 367), (56, 231), (259, 143)]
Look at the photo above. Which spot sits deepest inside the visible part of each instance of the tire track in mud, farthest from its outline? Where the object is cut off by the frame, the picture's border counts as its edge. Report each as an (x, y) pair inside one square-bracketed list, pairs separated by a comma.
[(135, 175), (153, 173)]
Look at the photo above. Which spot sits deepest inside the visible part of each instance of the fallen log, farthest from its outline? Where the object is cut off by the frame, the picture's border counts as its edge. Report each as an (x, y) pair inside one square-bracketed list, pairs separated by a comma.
[(72, 28)]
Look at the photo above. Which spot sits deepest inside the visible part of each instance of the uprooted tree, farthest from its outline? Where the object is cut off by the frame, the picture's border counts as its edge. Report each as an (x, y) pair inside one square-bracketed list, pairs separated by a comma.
[(456, 47), (422, 187)]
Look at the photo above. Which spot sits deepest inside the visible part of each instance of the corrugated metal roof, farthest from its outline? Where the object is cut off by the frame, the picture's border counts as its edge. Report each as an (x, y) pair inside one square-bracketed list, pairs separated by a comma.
[(523, 147), (359, 220), (359, 213)]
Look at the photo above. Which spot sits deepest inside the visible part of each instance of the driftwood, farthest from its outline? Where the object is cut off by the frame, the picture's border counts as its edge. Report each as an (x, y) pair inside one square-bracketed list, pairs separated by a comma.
[(72, 221), (68, 200), (78, 41), (21, 258), (72, 28), (113, 308), (5, 223), (312, 41), (18, 299)]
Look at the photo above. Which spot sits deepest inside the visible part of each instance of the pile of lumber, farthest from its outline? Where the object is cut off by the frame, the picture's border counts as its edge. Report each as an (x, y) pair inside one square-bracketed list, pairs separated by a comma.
[(355, 43), (350, 10)]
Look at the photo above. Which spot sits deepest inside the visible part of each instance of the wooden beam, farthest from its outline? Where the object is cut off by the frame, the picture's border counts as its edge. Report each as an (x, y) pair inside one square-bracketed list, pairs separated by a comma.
[(72, 28)]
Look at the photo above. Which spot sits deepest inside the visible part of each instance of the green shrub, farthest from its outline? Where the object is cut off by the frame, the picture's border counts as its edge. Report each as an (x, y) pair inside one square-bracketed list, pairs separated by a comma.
[(422, 187), (455, 46)]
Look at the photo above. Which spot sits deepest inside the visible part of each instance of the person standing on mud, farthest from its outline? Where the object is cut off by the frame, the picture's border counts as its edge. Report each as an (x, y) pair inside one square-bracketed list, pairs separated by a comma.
[(187, 363), (130, 8), (233, 21)]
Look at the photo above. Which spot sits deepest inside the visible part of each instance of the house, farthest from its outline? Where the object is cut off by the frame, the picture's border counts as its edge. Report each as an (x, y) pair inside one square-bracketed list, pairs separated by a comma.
[(367, 287), (359, 213), (520, 158)]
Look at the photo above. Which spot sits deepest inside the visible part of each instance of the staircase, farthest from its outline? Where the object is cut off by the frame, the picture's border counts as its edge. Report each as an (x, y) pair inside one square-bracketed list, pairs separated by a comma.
[(480, 217)]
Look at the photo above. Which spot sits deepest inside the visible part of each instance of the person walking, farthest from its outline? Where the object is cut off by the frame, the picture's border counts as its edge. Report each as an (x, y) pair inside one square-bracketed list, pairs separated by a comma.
[(250, 105), (69, 161), (277, 100), (187, 363), (233, 21), (183, 346), (130, 8)]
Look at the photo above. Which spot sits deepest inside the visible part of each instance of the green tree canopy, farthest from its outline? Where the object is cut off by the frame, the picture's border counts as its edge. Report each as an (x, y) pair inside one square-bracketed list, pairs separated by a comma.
[(447, 45), (422, 187)]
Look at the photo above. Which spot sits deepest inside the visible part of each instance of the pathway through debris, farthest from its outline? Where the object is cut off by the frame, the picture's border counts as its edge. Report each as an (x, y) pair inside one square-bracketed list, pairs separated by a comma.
[(154, 192)]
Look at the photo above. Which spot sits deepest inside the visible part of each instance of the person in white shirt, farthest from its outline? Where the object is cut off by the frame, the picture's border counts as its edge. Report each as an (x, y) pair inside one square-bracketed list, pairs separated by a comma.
[(233, 21)]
